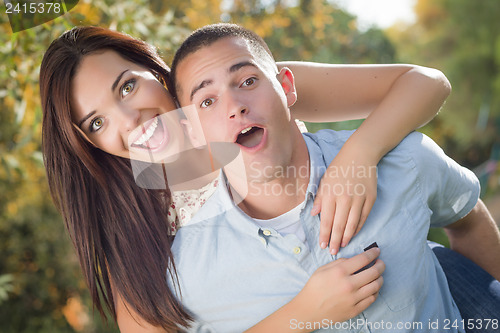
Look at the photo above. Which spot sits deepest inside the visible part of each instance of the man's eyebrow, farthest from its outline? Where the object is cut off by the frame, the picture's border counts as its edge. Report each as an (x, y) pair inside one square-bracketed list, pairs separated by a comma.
[(232, 69), (90, 114), (118, 78), (239, 65), (202, 85)]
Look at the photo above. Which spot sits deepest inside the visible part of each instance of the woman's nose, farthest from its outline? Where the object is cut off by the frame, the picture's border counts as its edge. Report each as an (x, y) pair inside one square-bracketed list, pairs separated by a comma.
[(128, 118)]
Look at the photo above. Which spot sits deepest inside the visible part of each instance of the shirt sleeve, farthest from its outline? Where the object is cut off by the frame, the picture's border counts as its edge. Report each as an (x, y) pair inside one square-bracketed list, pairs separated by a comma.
[(449, 190)]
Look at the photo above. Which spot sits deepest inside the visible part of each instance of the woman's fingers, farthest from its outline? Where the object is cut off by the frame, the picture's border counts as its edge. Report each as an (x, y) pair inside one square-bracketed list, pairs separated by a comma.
[(365, 267), (368, 294), (367, 207), (371, 288), (341, 218), (342, 209), (353, 221), (325, 227)]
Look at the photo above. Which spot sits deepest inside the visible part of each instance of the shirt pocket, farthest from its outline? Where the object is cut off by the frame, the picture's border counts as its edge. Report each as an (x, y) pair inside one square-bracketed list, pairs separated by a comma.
[(404, 254)]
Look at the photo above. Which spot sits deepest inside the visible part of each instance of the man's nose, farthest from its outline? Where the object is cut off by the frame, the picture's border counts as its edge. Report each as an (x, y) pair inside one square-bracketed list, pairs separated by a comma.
[(236, 107)]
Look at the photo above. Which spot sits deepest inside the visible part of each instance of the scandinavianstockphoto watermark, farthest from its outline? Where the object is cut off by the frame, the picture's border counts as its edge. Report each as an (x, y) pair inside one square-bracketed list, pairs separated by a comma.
[(352, 174), (26, 14), (400, 326), (357, 324)]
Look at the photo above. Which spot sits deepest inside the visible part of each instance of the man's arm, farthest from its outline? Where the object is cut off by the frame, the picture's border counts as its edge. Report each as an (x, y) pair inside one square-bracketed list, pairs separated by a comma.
[(476, 236)]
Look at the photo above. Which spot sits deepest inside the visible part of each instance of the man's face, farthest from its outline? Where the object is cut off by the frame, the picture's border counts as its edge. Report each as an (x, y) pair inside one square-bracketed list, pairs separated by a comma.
[(240, 99)]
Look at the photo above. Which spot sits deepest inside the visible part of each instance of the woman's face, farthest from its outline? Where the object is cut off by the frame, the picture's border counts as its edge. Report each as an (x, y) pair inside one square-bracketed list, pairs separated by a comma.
[(117, 104)]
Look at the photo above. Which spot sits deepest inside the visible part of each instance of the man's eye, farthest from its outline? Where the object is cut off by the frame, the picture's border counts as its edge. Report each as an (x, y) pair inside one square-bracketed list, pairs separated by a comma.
[(249, 82), (127, 87), (207, 102), (96, 124)]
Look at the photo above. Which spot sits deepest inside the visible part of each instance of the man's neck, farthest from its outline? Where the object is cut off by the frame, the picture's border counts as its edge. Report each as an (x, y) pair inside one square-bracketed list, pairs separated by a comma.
[(281, 193)]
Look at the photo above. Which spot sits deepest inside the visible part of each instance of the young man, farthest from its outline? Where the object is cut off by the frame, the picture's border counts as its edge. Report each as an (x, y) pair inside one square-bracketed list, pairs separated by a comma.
[(239, 263)]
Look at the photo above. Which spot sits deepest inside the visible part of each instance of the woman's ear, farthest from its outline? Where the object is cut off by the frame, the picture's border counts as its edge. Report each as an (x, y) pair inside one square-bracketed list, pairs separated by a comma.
[(285, 77)]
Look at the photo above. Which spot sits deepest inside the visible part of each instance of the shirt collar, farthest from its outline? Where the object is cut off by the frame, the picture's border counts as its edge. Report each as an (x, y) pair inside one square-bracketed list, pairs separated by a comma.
[(221, 201), (317, 166)]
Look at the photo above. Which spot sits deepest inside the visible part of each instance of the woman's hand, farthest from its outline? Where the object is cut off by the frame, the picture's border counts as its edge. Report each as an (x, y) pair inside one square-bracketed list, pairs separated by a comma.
[(335, 293), (345, 196)]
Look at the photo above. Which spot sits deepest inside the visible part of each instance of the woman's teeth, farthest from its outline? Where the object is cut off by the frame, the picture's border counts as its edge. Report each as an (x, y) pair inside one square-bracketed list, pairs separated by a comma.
[(148, 134)]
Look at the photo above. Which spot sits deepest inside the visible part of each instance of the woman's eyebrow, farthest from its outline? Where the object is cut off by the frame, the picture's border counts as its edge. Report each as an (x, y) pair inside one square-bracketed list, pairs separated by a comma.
[(90, 114), (118, 78), (113, 87)]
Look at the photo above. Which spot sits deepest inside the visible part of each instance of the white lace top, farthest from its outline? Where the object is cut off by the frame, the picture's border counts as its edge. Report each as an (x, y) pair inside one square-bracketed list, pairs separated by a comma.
[(186, 203)]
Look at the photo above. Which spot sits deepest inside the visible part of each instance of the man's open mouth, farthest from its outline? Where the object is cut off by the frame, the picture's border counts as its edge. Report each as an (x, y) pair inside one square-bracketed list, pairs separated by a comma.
[(250, 136)]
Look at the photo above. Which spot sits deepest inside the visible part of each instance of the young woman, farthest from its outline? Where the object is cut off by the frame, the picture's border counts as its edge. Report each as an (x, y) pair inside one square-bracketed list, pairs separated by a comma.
[(120, 230)]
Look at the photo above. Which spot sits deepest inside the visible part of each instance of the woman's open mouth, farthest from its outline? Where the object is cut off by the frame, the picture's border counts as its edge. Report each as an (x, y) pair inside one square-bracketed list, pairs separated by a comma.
[(251, 138), (153, 136)]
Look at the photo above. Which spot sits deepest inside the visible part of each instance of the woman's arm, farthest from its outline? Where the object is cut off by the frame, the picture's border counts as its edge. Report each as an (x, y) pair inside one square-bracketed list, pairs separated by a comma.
[(336, 291), (329, 93), (394, 99)]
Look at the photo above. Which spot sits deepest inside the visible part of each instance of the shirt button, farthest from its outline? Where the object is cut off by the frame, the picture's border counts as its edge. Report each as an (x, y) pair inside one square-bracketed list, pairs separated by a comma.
[(296, 250), (267, 232)]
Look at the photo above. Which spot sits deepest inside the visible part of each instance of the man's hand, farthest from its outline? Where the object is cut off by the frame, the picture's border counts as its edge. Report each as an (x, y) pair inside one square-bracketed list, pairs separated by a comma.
[(346, 195)]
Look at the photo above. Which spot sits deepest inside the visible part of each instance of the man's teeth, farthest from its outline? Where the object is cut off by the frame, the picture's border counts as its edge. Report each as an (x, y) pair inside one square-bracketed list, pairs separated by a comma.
[(148, 134), (246, 130)]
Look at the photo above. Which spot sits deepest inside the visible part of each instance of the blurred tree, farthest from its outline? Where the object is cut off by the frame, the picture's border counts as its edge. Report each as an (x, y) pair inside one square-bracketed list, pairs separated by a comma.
[(462, 38), (46, 292)]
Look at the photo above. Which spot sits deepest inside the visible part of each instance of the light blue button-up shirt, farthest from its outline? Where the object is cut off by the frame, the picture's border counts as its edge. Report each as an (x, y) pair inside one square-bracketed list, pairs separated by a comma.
[(232, 273)]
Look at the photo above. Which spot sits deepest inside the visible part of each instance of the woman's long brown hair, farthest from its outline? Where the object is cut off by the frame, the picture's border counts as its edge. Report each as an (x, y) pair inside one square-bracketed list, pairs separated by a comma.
[(119, 230)]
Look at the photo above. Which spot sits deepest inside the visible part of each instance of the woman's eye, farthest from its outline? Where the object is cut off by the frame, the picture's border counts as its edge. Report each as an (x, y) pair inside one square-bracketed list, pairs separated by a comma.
[(207, 102), (96, 124), (249, 82), (127, 87)]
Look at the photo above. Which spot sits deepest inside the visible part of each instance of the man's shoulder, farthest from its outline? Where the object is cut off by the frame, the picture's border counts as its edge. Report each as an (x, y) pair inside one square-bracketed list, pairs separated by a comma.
[(331, 141), (340, 137), (328, 136)]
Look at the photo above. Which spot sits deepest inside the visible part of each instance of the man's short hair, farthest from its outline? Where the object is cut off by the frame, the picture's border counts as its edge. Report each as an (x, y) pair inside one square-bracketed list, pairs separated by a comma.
[(207, 35)]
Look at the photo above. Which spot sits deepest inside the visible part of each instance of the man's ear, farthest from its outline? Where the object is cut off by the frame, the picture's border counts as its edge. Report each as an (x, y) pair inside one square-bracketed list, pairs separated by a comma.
[(285, 77), (192, 126), (192, 134)]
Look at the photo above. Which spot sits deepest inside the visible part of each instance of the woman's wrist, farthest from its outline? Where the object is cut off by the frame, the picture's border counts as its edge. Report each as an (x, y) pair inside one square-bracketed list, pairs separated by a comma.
[(291, 317), (361, 151)]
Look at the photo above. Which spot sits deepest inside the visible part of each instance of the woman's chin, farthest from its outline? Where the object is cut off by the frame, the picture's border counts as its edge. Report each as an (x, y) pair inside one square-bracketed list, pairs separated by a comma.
[(169, 155)]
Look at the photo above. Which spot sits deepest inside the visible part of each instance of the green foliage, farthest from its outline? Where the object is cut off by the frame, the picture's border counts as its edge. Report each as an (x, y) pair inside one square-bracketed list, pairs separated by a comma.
[(47, 292), (313, 30), (462, 39), (5, 287)]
